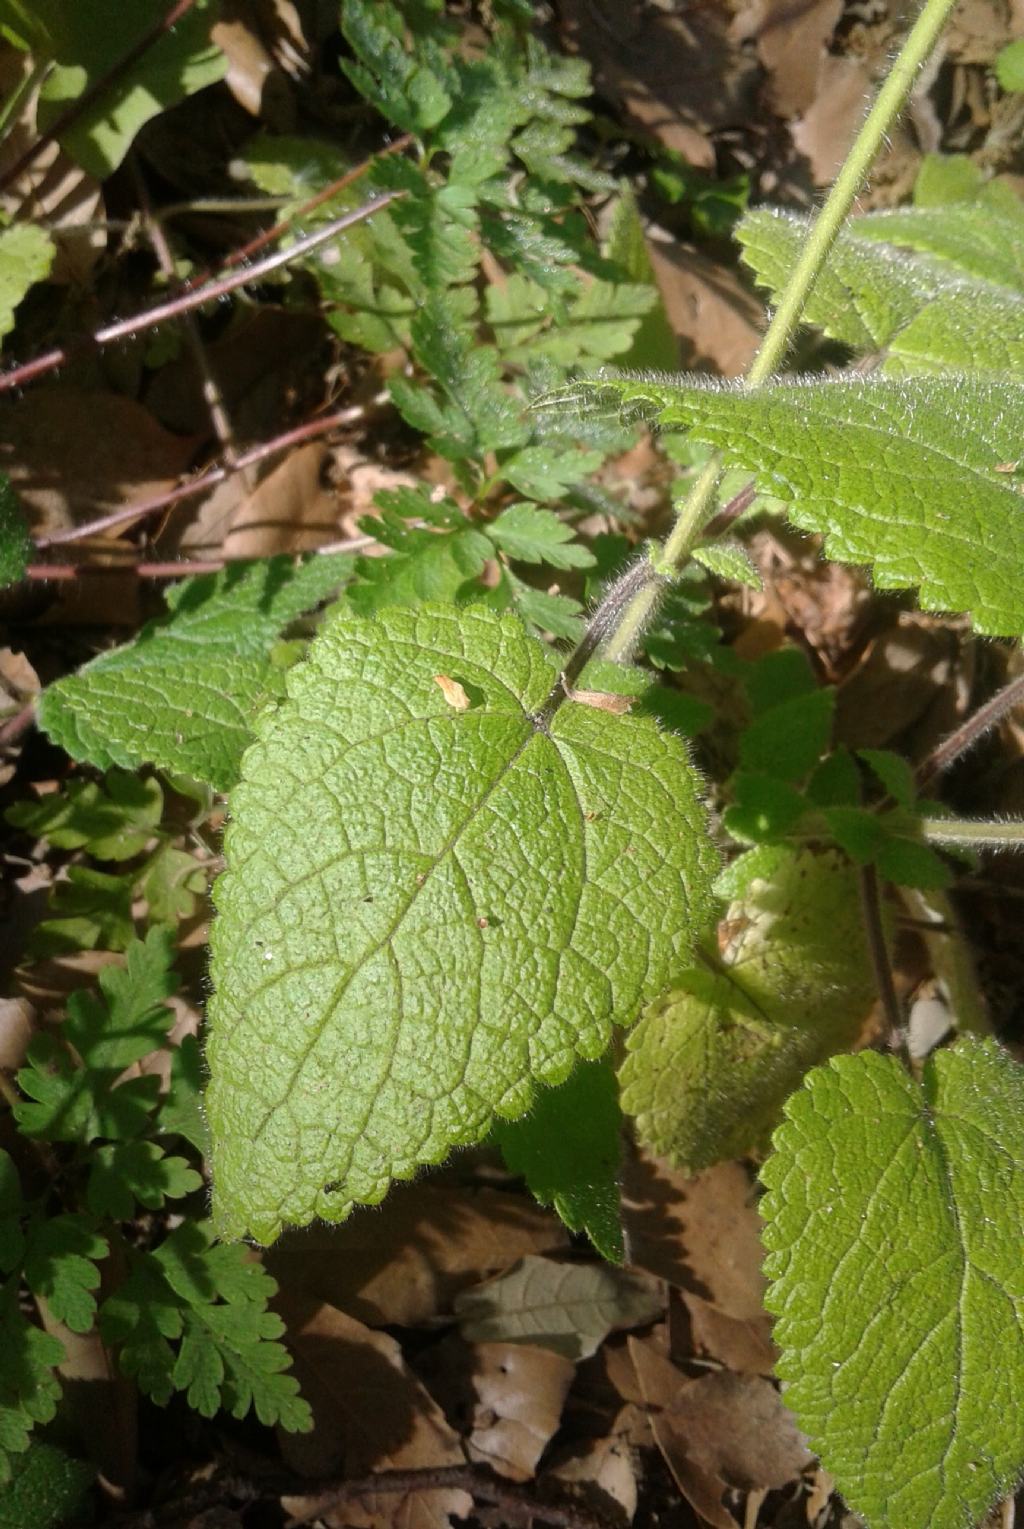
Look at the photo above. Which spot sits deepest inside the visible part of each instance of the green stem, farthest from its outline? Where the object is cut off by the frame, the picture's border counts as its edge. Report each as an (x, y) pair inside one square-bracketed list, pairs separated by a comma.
[(969, 833), (892, 97)]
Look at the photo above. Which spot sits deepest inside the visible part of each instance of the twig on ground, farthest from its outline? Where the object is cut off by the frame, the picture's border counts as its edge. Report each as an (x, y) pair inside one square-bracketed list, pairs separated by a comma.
[(189, 299), (522, 1503), (208, 480)]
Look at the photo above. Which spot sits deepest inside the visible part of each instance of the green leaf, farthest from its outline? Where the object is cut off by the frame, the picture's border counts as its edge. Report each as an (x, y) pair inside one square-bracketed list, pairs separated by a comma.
[(390, 861), (895, 773), (601, 323), (477, 414), (570, 1308), (1010, 66), (173, 885), (788, 740), (546, 472), (929, 315), (184, 693), (47, 1490), (26, 255), (904, 475), (946, 178), (532, 535), (984, 238), (213, 1301), (96, 34), (893, 1223), (29, 1386), (431, 562), (711, 1063), (114, 821), (655, 346), (15, 541), (181, 1111), (729, 561), (60, 1266), (125, 1172), (567, 1149), (543, 611), (76, 1100), (92, 911), (404, 90)]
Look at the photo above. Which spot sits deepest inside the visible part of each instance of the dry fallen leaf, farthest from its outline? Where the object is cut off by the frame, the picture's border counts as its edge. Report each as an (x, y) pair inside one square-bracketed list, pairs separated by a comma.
[(743, 1344), (701, 1233), (568, 1308), (721, 1431), (520, 1391), (73, 454), (717, 319), (369, 1412), (404, 1262)]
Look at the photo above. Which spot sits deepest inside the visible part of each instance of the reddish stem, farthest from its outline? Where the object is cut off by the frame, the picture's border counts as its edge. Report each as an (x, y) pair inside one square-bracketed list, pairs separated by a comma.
[(93, 92), (185, 302), (200, 485)]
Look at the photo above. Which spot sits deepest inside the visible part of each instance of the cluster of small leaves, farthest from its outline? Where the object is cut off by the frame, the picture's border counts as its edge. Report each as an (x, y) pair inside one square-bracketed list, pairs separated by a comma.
[(409, 277), (186, 1316), (119, 822)]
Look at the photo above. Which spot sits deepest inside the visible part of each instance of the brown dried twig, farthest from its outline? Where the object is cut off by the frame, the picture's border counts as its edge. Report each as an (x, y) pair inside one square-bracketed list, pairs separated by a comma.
[(188, 300)]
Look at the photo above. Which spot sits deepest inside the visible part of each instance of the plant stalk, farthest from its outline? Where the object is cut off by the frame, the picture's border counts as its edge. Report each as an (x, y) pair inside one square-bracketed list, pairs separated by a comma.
[(971, 833), (696, 508)]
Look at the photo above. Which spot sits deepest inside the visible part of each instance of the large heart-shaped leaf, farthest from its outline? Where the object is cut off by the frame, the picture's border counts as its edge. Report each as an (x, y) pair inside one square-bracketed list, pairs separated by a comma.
[(434, 896), (894, 1224)]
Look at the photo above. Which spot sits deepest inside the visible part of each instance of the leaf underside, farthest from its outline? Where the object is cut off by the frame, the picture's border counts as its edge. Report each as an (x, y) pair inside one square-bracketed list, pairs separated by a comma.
[(427, 908), (904, 1201), (907, 475)]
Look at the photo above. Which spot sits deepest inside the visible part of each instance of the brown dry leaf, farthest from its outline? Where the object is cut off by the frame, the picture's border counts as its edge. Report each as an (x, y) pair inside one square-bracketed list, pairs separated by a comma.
[(520, 1391), (453, 692), (603, 1470), (827, 128), (289, 511), (369, 1412), (253, 77), (700, 1233), (792, 39), (406, 1261), (568, 1308), (743, 1344), (17, 1026), (911, 688), (73, 454), (19, 682), (98, 1402), (720, 1431), (673, 73), (718, 321)]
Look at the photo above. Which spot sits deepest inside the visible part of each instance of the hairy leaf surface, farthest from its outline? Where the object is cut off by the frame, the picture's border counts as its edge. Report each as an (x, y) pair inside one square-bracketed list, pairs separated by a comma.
[(928, 314), (428, 906), (183, 693), (712, 1061), (893, 1223), (908, 475)]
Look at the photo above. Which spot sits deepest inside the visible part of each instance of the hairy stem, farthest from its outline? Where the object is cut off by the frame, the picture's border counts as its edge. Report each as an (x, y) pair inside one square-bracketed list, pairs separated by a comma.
[(874, 928), (972, 833), (696, 509), (971, 732)]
